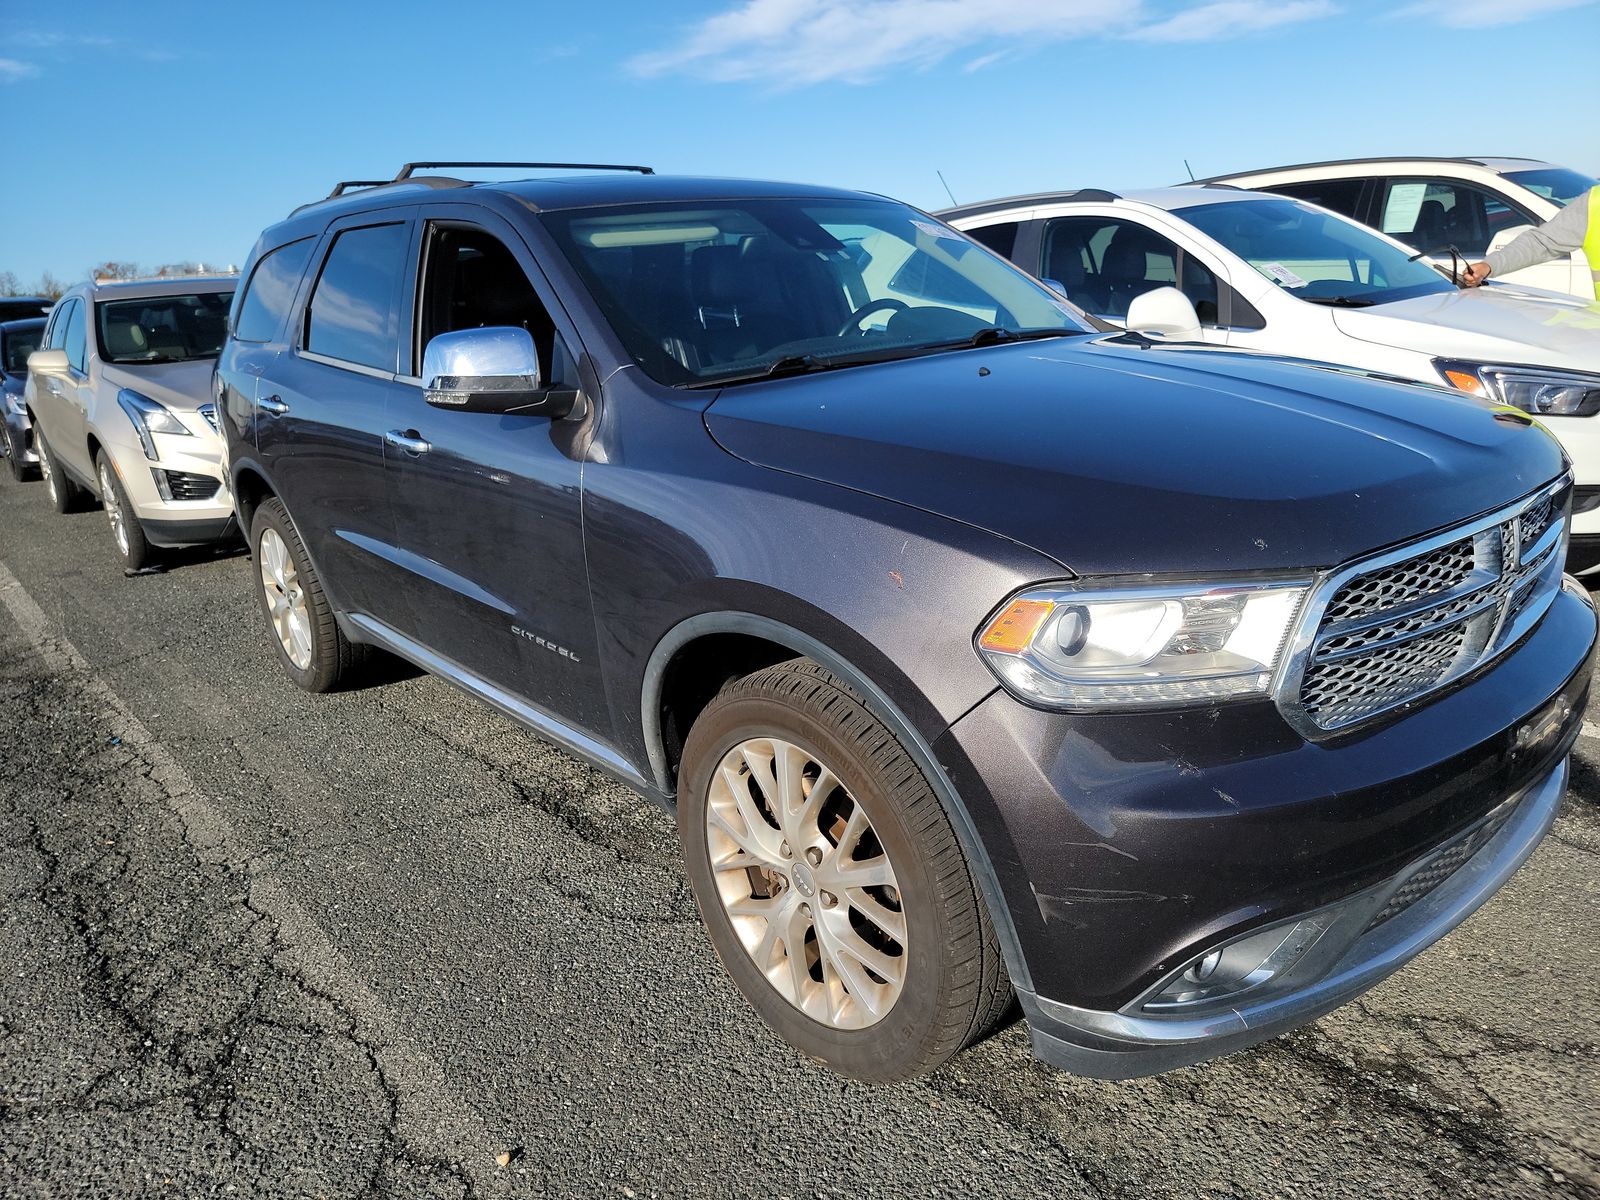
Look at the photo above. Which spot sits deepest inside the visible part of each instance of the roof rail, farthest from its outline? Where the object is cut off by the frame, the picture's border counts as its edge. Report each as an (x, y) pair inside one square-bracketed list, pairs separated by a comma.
[(412, 167), (988, 206), (344, 185)]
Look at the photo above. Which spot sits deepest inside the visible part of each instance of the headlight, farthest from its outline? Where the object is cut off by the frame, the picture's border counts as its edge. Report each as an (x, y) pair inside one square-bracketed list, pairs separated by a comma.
[(1537, 390), (1087, 647), (149, 417)]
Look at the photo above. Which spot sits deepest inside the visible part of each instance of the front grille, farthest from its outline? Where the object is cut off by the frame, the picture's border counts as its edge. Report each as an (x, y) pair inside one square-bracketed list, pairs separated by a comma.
[(185, 485), (1440, 865), (1400, 626)]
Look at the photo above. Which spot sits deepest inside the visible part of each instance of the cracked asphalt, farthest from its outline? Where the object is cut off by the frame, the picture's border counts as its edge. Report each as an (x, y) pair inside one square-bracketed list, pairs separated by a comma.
[(260, 943)]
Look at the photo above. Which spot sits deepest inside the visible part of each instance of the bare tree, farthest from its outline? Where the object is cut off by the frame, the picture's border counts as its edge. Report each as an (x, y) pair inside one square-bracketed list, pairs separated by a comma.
[(111, 269), (9, 285), (49, 287)]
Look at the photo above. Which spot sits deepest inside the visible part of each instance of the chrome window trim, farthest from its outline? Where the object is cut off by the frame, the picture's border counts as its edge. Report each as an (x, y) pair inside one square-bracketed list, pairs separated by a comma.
[(1286, 689)]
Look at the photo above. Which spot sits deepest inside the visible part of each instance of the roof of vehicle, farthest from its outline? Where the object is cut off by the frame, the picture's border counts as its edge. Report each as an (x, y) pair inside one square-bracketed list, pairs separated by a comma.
[(25, 300), (21, 324), (1490, 162), (567, 191), (172, 285), (1170, 198)]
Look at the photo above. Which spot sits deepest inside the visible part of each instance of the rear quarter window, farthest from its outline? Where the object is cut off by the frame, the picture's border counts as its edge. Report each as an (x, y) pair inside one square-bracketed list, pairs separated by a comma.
[(264, 302)]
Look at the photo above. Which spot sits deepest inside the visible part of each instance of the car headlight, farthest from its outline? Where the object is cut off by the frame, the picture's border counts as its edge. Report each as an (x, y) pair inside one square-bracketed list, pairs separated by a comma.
[(1097, 646), (149, 417), (1542, 391)]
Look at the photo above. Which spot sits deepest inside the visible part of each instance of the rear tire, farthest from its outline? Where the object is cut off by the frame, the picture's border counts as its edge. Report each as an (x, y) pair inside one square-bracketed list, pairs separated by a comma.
[(899, 966), (310, 644), (64, 495), (127, 534)]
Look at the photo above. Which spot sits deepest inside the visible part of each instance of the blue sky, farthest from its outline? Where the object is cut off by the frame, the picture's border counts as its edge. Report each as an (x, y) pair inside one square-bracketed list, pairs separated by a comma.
[(170, 131)]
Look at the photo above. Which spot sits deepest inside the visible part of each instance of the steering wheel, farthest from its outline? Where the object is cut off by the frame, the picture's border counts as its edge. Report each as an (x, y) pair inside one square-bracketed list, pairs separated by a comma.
[(866, 310)]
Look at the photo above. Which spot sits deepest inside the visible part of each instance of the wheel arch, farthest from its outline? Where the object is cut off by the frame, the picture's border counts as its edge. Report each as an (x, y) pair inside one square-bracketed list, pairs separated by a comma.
[(750, 633), (250, 488)]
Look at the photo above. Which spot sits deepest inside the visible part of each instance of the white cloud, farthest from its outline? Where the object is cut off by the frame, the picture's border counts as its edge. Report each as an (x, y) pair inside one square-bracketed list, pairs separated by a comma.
[(792, 43), (796, 42), (1481, 14), (1232, 18), (11, 70)]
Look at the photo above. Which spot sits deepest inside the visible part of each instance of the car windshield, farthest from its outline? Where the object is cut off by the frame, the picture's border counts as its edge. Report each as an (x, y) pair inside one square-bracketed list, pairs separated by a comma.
[(1316, 255), (733, 291), (154, 329), (1554, 183), (19, 343)]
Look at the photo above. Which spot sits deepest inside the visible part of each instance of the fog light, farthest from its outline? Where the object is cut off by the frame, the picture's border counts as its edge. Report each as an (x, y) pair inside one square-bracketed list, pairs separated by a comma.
[(1240, 966)]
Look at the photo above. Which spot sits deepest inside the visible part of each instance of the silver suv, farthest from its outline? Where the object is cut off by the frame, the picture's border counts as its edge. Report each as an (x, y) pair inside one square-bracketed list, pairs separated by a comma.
[(120, 399)]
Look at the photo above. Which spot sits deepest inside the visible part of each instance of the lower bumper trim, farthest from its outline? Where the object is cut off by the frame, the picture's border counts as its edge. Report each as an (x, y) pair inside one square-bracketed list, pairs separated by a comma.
[(171, 534), (1118, 1045)]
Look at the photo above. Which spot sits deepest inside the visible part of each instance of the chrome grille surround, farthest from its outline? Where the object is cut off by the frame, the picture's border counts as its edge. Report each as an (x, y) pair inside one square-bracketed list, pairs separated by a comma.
[(1387, 631)]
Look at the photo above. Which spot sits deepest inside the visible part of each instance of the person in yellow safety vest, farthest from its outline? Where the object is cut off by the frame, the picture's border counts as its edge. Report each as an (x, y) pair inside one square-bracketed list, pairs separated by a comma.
[(1577, 226)]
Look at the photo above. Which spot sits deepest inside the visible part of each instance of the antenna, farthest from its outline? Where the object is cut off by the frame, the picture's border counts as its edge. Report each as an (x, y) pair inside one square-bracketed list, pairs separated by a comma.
[(947, 190), (1189, 169)]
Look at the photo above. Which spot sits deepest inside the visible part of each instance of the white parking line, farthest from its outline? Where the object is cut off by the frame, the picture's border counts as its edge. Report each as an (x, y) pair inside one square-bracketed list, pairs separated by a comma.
[(432, 1115)]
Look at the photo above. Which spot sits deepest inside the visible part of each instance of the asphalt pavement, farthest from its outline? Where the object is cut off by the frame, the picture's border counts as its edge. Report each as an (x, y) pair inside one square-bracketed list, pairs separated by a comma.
[(259, 943)]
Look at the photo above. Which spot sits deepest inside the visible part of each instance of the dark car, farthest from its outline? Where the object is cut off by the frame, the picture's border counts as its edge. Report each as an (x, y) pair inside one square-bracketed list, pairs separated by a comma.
[(18, 339), (1182, 693), (14, 308)]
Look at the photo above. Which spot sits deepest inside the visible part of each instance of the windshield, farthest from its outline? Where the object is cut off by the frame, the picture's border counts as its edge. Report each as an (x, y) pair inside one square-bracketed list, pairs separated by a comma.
[(19, 343), (1316, 255), (713, 293), (1554, 183), (155, 329)]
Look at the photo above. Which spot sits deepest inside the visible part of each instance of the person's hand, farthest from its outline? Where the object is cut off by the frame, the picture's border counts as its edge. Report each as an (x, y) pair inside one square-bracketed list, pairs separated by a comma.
[(1475, 274)]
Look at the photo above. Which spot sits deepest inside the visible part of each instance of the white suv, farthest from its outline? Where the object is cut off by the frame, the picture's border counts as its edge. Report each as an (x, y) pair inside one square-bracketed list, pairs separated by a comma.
[(1474, 204), (120, 399), (1267, 273)]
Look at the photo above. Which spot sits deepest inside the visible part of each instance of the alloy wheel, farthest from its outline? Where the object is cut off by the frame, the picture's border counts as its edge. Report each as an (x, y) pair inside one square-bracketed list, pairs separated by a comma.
[(806, 883), (113, 507), (286, 599), (47, 469)]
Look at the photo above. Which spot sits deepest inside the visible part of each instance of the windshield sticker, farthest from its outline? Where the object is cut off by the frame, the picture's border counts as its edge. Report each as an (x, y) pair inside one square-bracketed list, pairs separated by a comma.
[(938, 231), (1283, 275), (1403, 207)]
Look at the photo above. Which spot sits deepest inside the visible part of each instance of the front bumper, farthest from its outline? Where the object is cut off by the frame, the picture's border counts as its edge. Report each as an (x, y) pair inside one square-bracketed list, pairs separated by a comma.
[(1125, 846), (19, 434), (157, 490)]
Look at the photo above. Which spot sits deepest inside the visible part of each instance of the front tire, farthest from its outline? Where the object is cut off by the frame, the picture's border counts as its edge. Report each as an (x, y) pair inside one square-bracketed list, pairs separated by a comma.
[(309, 642), (830, 880), (20, 471), (64, 495), (127, 534)]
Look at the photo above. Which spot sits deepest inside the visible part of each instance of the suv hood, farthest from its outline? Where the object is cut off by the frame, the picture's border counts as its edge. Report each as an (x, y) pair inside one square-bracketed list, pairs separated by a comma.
[(1115, 459), (181, 386), (1493, 323)]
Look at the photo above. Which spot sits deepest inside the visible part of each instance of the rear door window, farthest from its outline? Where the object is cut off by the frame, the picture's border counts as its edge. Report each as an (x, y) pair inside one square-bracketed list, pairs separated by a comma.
[(1341, 195), (265, 300), (353, 314)]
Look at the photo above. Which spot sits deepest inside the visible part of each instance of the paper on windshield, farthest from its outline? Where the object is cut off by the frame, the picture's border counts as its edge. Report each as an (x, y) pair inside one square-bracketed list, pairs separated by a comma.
[(938, 231), (1401, 209), (1283, 275)]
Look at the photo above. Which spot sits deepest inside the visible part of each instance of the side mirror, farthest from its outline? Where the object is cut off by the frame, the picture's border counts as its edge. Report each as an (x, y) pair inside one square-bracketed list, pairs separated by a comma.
[(1506, 236), (491, 370), (1056, 286), (48, 362), (1165, 313)]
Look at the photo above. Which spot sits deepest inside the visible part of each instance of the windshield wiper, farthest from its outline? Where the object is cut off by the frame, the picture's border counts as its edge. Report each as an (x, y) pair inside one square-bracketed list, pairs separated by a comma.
[(1339, 301), (993, 335), (789, 364)]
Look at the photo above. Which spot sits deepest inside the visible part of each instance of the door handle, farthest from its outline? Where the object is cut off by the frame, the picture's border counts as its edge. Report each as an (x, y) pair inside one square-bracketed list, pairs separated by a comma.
[(408, 440), (271, 405)]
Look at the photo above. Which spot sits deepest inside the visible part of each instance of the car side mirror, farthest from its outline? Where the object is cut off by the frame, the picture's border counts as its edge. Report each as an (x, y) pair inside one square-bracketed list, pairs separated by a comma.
[(1505, 237), (48, 362), (1056, 286), (1165, 313), (490, 370)]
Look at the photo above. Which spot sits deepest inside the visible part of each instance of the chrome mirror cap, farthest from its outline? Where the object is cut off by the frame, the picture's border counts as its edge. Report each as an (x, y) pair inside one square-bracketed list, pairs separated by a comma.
[(491, 369)]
